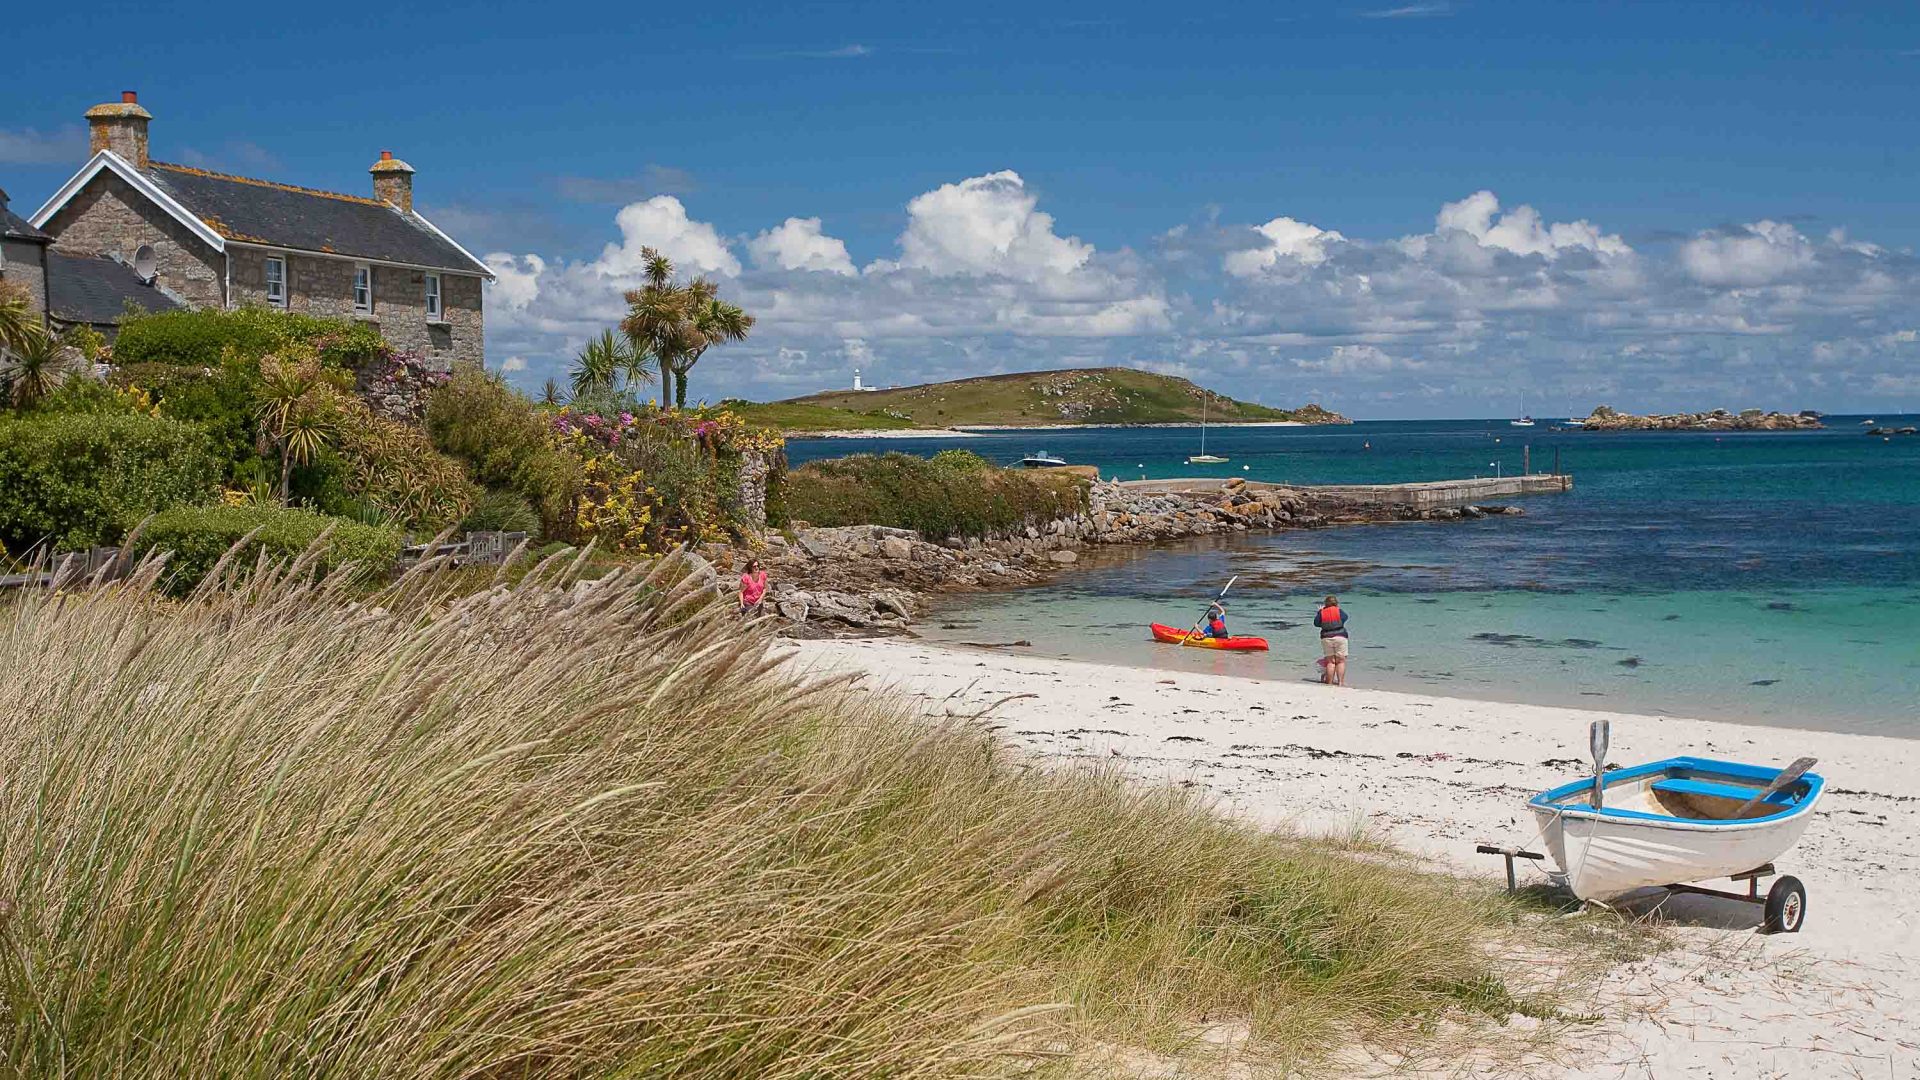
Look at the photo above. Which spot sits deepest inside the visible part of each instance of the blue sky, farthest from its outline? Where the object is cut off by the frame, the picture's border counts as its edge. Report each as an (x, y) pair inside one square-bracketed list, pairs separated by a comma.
[(1397, 209)]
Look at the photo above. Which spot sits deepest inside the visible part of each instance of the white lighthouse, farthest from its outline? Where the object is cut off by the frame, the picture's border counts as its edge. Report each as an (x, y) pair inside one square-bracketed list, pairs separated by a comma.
[(858, 388)]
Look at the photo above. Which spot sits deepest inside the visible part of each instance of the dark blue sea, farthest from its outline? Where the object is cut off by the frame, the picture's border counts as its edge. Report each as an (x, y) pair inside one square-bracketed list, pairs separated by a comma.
[(1763, 577)]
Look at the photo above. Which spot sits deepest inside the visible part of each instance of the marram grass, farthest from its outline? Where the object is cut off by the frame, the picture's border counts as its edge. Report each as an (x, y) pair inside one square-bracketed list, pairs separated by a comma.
[(537, 832)]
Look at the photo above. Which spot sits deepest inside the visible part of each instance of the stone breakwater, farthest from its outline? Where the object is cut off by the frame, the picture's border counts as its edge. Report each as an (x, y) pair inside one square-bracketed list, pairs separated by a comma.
[(1605, 418), (870, 578)]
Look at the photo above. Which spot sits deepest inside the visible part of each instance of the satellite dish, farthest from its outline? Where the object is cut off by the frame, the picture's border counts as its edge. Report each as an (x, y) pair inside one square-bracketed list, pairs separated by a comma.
[(144, 263)]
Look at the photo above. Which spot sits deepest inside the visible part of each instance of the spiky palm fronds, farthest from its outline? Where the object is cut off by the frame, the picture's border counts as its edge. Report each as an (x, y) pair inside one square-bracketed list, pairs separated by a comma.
[(33, 367)]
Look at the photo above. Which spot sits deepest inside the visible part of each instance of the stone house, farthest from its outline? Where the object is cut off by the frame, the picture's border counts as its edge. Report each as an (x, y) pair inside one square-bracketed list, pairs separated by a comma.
[(133, 228), (23, 257)]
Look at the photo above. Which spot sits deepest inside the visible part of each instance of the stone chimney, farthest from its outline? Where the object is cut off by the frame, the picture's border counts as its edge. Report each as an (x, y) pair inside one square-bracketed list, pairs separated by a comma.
[(393, 181), (121, 126)]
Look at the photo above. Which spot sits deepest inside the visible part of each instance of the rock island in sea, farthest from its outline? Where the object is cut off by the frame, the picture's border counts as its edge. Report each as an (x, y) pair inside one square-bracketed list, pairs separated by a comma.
[(1606, 418)]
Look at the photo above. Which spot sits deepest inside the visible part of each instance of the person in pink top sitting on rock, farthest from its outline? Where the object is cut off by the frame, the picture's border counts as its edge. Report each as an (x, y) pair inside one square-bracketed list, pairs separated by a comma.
[(753, 588)]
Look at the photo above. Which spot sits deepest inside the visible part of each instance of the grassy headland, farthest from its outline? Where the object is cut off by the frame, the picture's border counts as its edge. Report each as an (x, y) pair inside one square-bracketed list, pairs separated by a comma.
[(796, 416), (1083, 396), (541, 833)]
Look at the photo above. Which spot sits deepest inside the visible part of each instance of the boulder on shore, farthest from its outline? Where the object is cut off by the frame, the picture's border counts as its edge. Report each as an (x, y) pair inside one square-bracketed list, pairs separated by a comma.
[(1606, 418)]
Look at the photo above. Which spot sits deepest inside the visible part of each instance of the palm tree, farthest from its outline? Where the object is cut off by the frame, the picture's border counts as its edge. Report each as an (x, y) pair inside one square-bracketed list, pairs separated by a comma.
[(714, 321), (597, 368), (657, 315), (295, 412), (550, 393), (32, 366), (18, 326), (676, 323)]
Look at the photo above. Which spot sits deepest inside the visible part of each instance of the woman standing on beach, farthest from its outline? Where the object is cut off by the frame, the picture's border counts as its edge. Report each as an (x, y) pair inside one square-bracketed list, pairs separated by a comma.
[(1332, 621)]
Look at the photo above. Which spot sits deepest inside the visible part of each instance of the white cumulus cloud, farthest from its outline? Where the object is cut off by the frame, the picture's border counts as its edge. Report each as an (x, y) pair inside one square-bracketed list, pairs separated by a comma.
[(662, 223), (1757, 254), (798, 244), (1286, 238), (987, 225), (1521, 230)]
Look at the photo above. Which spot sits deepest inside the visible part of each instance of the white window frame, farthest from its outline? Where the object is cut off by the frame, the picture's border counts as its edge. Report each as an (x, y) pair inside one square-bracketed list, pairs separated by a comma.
[(286, 289), (362, 307), (436, 306)]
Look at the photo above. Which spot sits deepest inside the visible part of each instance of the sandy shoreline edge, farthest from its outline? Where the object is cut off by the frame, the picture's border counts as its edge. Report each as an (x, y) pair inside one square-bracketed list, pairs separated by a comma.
[(1436, 775)]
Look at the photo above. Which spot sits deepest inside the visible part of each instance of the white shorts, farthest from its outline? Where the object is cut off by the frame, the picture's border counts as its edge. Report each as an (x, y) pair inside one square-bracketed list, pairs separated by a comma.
[(1334, 647)]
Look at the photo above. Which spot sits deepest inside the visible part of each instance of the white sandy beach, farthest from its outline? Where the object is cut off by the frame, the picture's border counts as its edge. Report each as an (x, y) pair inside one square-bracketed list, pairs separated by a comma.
[(884, 433), (1436, 775)]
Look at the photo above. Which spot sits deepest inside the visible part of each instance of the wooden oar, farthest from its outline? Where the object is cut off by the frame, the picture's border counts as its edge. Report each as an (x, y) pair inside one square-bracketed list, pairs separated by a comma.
[(1787, 776), (1597, 737), (1203, 615)]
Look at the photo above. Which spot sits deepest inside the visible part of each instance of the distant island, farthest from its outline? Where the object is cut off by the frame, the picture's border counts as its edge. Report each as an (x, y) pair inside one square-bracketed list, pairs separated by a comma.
[(1606, 418), (1090, 396)]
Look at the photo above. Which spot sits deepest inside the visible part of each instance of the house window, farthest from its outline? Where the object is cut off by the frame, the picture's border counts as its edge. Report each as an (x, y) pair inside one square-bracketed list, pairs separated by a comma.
[(363, 288), (433, 296), (276, 281)]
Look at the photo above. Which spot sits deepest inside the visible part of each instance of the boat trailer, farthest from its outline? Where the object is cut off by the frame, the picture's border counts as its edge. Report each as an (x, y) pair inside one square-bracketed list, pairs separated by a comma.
[(1783, 908)]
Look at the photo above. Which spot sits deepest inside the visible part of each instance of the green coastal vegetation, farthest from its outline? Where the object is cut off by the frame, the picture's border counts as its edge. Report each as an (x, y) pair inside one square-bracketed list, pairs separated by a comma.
[(1082, 396), (269, 832), (955, 493)]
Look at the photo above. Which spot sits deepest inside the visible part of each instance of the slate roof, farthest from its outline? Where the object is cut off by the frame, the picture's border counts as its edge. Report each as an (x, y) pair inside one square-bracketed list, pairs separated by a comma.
[(282, 215), (15, 227), (96, 289)]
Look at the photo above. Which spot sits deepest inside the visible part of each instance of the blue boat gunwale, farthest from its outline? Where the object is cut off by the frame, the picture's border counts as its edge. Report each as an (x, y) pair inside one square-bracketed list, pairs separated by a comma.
[(1703, 768)]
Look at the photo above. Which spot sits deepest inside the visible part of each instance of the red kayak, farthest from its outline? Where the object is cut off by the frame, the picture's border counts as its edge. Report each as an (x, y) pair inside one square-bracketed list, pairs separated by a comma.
[(1173, 635)]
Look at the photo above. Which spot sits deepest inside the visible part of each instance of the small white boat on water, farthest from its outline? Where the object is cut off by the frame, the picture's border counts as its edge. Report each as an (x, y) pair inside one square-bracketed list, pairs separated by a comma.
[(1204, 458), (1042, 460), (1684, 819), (1525, 421)]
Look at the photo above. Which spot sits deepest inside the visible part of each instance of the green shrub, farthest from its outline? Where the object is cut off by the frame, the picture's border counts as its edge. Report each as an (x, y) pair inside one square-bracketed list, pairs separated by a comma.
[(199, 536), (504, 439), (961, 461), (218, 397), (395, 468), (501, 511), (200, 338), (78, 480), (949, 496)]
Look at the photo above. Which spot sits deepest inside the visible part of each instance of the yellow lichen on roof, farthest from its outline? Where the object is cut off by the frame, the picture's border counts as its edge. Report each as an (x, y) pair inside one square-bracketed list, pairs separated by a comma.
[(295, 188), (212, 221), (118, 108)]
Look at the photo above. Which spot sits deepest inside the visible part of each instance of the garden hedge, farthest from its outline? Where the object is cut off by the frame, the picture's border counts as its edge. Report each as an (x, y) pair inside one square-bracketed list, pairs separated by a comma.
[(80, 480), (198, 536)]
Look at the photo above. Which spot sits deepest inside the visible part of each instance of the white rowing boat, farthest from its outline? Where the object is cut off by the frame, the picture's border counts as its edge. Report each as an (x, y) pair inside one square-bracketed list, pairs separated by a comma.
[(1679, 820)]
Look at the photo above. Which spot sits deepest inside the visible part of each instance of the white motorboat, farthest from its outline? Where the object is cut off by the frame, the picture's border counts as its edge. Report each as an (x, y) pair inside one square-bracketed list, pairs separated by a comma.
[(1042, 460), (1680, 820)]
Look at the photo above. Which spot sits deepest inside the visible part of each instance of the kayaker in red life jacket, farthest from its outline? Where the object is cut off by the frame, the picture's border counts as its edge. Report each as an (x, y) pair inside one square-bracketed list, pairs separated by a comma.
[(1332, 621), (1217, 620)]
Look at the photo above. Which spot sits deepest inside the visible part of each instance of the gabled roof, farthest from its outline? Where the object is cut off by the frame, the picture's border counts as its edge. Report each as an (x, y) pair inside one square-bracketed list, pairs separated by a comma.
[(221, 208), (96, 289), (252, 211)]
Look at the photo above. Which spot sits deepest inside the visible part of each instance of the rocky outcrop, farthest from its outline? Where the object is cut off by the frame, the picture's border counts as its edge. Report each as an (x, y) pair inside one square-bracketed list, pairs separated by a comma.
[(870, 578), (1605, 418)]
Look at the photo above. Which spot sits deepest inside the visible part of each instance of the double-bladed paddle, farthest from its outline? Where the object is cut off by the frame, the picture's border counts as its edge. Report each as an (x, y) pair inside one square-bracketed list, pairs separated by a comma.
[(1203, 615)]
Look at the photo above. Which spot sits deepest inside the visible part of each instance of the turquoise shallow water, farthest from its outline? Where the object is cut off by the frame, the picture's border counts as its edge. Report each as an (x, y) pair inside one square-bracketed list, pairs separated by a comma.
[(1770, 578)]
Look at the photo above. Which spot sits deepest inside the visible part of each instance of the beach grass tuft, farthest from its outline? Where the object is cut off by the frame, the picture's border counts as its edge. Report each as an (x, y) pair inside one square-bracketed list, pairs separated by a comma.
[(280, 828)]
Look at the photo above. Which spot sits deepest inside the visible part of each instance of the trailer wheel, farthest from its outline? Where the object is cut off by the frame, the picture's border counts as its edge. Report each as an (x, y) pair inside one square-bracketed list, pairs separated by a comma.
[(1786, 906)]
